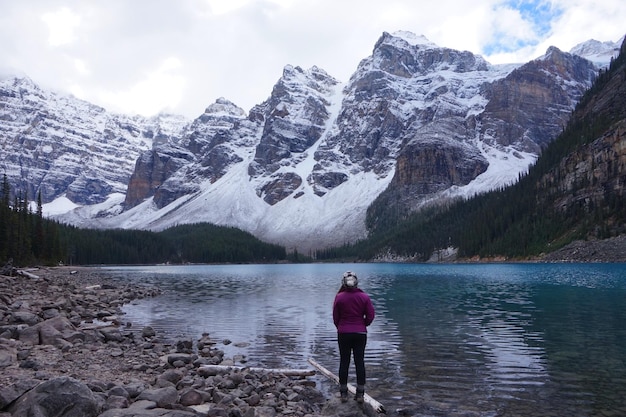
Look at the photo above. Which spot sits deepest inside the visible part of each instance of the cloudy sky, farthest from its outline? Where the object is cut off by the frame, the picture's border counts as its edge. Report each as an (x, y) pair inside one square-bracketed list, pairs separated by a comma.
[(147, 56)]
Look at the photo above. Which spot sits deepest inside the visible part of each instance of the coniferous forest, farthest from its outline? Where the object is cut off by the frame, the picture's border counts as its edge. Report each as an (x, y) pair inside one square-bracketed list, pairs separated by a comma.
[(27, 238)]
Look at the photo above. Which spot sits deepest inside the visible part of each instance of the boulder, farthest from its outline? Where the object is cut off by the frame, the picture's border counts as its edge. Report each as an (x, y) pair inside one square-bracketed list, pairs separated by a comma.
[(25, 317), (57, 331), (191, 397), (11, 393), (148, 332), (179, 357), (59, 397), (172, 376), (8, 355), (112, 334), (163, 397), (116, 401)]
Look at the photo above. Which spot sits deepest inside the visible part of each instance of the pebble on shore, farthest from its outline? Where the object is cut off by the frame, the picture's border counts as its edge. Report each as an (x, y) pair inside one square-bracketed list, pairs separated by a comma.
[(64, 351)]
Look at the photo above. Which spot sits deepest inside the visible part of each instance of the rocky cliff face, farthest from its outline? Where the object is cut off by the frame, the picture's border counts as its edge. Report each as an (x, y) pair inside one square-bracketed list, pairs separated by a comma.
[(471, 115), (58, 145), (416, 123), (530, 106), (594, 175), (202, 151), (274, 139), (294, 119)]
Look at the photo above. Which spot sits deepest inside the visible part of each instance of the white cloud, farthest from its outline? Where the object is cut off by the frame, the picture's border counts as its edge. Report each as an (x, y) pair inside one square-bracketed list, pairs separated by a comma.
[(144, 56), (219, 7), (81, 66), (159, 90), (61, 25)]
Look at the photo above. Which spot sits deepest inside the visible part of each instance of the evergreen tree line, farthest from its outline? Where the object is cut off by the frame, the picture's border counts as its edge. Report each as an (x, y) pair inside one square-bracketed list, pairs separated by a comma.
[(517, 221), (27, 238)]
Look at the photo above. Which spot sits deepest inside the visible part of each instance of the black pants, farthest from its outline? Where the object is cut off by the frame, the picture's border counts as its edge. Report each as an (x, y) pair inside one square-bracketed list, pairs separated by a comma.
[(352, 343)]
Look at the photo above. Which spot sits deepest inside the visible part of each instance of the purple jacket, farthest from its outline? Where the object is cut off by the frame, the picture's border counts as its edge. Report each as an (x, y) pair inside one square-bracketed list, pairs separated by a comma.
[(352, 311)]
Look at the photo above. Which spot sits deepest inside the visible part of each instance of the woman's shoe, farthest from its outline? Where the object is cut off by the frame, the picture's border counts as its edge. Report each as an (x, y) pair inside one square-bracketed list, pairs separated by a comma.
[(343, 394), (360, 394)]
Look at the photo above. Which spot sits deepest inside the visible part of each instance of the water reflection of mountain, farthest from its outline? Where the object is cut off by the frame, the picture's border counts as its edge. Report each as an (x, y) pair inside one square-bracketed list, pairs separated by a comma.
[(448, 340)]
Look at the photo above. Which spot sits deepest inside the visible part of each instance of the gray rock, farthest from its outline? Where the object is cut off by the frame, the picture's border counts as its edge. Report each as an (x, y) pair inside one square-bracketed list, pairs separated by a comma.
[(217, 412), (50, 313), (59, 397), (57, 331), (148, 332), (13, 392), (116, 401), (205, 341), (29, 335), (161, 396), (112, 334), (171, 375), (119, 391), (26, 317), (135, 388), (184, 346), (253, 400), (191, 397), (335, 407), (264, 411), (49, 335), (8, 355), (182, 357), (143, 405)]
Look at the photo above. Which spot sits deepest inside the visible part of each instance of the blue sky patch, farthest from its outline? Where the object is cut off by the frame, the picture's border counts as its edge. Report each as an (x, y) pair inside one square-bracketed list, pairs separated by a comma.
[(539, 14)]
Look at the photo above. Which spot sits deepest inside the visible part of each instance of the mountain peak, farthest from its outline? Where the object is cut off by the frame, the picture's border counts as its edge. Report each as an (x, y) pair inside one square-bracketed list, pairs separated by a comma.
[(224, 107), (413, 39), (600, 53), (402, 39), (291, 72)]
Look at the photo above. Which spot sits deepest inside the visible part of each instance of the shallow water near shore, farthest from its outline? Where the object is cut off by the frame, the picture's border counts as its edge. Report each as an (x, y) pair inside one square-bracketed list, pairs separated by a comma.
[(448, 340)]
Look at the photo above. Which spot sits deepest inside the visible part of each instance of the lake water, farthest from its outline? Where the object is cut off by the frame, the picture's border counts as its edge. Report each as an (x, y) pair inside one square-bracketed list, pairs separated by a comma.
[(448, 340)]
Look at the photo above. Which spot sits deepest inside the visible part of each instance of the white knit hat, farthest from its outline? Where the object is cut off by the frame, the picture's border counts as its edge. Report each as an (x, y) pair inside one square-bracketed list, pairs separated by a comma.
[(350, 280)]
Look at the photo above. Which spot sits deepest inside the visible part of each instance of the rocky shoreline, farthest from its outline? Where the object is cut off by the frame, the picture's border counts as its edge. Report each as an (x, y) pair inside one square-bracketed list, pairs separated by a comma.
[(606, 250), (66, 351)]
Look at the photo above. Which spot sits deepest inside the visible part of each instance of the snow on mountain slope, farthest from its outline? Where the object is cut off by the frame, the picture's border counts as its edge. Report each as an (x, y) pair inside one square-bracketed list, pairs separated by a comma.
[(415, 124), (306, 222), (600, 53), (58, 145)]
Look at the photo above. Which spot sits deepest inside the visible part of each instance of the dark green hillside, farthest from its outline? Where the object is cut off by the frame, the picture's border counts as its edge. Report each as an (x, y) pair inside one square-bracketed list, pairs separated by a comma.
[(207, 243), (576, 190), (27, 238)]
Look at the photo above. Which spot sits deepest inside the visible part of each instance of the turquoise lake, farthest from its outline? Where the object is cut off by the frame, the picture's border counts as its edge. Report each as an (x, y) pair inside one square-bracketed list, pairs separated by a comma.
[(448, 340)]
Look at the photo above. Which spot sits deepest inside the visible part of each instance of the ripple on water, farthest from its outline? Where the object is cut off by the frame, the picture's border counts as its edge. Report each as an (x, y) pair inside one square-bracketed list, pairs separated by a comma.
[(459, 340)]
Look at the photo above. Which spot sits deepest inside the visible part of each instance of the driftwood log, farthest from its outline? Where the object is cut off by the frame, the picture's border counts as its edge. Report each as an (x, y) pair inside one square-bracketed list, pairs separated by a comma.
[(24, 273), (378, 407)]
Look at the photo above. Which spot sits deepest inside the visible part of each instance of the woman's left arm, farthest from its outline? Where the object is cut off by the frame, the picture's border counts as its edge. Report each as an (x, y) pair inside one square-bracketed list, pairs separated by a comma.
[(369, 312)]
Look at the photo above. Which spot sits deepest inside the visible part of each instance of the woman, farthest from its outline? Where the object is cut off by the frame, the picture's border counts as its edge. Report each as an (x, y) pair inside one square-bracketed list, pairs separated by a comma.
[(352, 313)]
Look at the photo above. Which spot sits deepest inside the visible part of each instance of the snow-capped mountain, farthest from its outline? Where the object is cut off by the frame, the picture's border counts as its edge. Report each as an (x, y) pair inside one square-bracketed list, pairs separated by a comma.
[(64, 147), (600, 53), (416, 123)]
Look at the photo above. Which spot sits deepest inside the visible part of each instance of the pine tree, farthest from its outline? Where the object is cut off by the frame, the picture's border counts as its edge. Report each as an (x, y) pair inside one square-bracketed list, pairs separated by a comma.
[(38, 237), (5, 216)]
